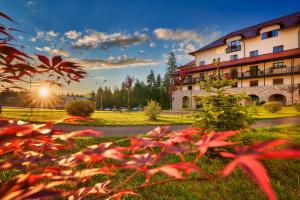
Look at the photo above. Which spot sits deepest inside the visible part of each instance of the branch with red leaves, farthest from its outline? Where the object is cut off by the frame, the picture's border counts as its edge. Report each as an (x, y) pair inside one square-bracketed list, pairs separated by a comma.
[(35, 150), (17, 66)]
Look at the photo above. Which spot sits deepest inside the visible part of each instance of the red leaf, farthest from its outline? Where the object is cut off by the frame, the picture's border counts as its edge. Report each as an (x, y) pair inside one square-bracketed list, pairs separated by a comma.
[(56, 60), (6, 17), (44, 59), (120, 194)]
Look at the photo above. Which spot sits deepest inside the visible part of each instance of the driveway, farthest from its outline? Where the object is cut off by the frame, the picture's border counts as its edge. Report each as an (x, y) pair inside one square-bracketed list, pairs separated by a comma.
[(135, 130)]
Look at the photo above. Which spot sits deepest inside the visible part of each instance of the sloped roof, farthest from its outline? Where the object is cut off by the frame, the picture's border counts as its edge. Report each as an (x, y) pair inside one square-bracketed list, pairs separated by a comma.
[(252, 31), (245, 61), (189, 64)]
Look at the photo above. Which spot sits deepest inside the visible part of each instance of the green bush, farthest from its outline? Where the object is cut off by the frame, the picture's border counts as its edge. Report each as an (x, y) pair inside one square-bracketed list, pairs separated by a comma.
[(221, 111), (297, 107), (81, 108), (152, 110), (273, 107)]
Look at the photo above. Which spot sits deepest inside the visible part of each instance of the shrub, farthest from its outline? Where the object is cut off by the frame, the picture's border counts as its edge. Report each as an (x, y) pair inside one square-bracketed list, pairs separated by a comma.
[(297, 107), (273, 107), (221, 111), (81, 108), (152, 110)]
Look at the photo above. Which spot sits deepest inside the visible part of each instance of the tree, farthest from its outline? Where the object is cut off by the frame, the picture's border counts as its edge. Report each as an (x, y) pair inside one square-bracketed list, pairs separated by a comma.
[(92, 96), (158, 81), (221, 111), (151, 79), (172, 66), (128, 85)]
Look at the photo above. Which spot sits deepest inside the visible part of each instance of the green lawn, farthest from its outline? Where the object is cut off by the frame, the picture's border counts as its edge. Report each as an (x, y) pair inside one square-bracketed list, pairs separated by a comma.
[(284, 174), (126, 118), (286, 111), (285, 177)]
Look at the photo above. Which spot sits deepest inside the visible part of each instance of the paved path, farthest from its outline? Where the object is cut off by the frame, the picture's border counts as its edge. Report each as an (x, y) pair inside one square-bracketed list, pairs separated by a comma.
[(135, 130)]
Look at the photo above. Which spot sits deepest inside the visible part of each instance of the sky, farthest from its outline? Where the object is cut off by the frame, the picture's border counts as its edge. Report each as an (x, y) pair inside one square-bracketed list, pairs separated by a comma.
[(113, 38)]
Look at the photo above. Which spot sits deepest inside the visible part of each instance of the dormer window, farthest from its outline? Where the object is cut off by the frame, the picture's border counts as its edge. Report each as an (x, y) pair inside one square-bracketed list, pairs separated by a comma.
[(233, 46), (234, 43), (201, 63), (269, 34)]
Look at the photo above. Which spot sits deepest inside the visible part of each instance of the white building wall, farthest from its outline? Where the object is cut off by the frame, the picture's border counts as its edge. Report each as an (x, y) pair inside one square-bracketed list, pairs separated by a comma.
[(288, 37)]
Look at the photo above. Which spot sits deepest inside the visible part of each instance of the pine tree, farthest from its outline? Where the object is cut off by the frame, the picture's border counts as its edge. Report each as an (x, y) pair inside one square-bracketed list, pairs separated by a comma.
[(92, 96), (172, 66), (158, 81), (151, 79)]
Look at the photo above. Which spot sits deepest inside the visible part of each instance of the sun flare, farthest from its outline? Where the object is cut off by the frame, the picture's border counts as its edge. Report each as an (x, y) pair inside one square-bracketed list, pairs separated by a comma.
[(44, 91)]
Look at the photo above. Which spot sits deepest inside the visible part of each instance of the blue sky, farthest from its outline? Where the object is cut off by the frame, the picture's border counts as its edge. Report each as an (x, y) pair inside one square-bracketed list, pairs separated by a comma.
[(113, 38)]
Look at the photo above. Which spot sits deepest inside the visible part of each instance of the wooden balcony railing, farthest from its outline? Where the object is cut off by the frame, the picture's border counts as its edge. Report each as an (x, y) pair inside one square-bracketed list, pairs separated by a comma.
[(249, 74)]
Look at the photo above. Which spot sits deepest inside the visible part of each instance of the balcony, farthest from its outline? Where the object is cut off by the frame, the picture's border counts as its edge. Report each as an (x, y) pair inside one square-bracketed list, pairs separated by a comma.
[(250, 74), (269, 72), (194, 80), (233, 49)]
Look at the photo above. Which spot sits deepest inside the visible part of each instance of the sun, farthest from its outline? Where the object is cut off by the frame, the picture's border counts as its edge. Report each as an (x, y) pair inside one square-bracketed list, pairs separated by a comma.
[(44, 91)]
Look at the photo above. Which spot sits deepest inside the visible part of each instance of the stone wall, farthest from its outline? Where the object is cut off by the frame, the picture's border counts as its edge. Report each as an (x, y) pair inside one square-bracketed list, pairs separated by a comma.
[(263, 92)]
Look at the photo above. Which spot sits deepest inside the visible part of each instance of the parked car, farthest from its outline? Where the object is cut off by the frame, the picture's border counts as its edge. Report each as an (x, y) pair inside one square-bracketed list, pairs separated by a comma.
[(108, 109), (137, 109)]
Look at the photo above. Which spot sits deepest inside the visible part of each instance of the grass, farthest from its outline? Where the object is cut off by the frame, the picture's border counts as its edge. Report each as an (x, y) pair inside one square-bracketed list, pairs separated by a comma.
[(287, 111), (110, 118), (284, 174)]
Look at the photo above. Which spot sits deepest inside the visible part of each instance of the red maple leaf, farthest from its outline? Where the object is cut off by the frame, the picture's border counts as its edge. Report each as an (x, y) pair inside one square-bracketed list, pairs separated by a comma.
[(247, 158)]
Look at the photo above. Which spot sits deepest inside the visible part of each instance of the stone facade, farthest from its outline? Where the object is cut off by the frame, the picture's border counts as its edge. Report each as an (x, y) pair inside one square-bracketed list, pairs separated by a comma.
[(264, 93)]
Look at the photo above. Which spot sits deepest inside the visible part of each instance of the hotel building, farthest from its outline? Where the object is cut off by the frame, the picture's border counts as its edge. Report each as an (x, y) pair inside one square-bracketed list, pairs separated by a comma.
[(264, 59)]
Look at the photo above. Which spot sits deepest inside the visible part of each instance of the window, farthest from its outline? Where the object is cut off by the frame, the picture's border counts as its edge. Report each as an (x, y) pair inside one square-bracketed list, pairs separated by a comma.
[(190, 87), (234, 43), (278, 65), (278, 81), (234, 73), (233, 46), (254, 70), (278, 48), (253, 53), (269, 34), (254, 83), (234, 57), (201, 63), (216, 60), (202, 76)]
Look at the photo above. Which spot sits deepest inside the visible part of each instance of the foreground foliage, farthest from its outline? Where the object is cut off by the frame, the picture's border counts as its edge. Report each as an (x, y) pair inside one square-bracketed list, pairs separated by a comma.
[(37, 153)]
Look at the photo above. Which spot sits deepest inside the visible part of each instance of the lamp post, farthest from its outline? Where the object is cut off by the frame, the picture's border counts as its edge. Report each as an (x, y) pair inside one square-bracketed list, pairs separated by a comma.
[(101, 93)]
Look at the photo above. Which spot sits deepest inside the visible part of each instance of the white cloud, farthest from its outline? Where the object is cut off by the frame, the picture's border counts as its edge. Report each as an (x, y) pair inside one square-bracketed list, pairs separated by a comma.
[(30, 3), (95, 39), (113, 62), (178, 34), (72, 34), (54, 51), (44, 35), (32, 39), (152, 45)]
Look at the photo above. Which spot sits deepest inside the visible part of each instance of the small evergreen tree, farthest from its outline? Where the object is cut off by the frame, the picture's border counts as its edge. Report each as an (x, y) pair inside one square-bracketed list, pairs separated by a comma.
[(221, 111)]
